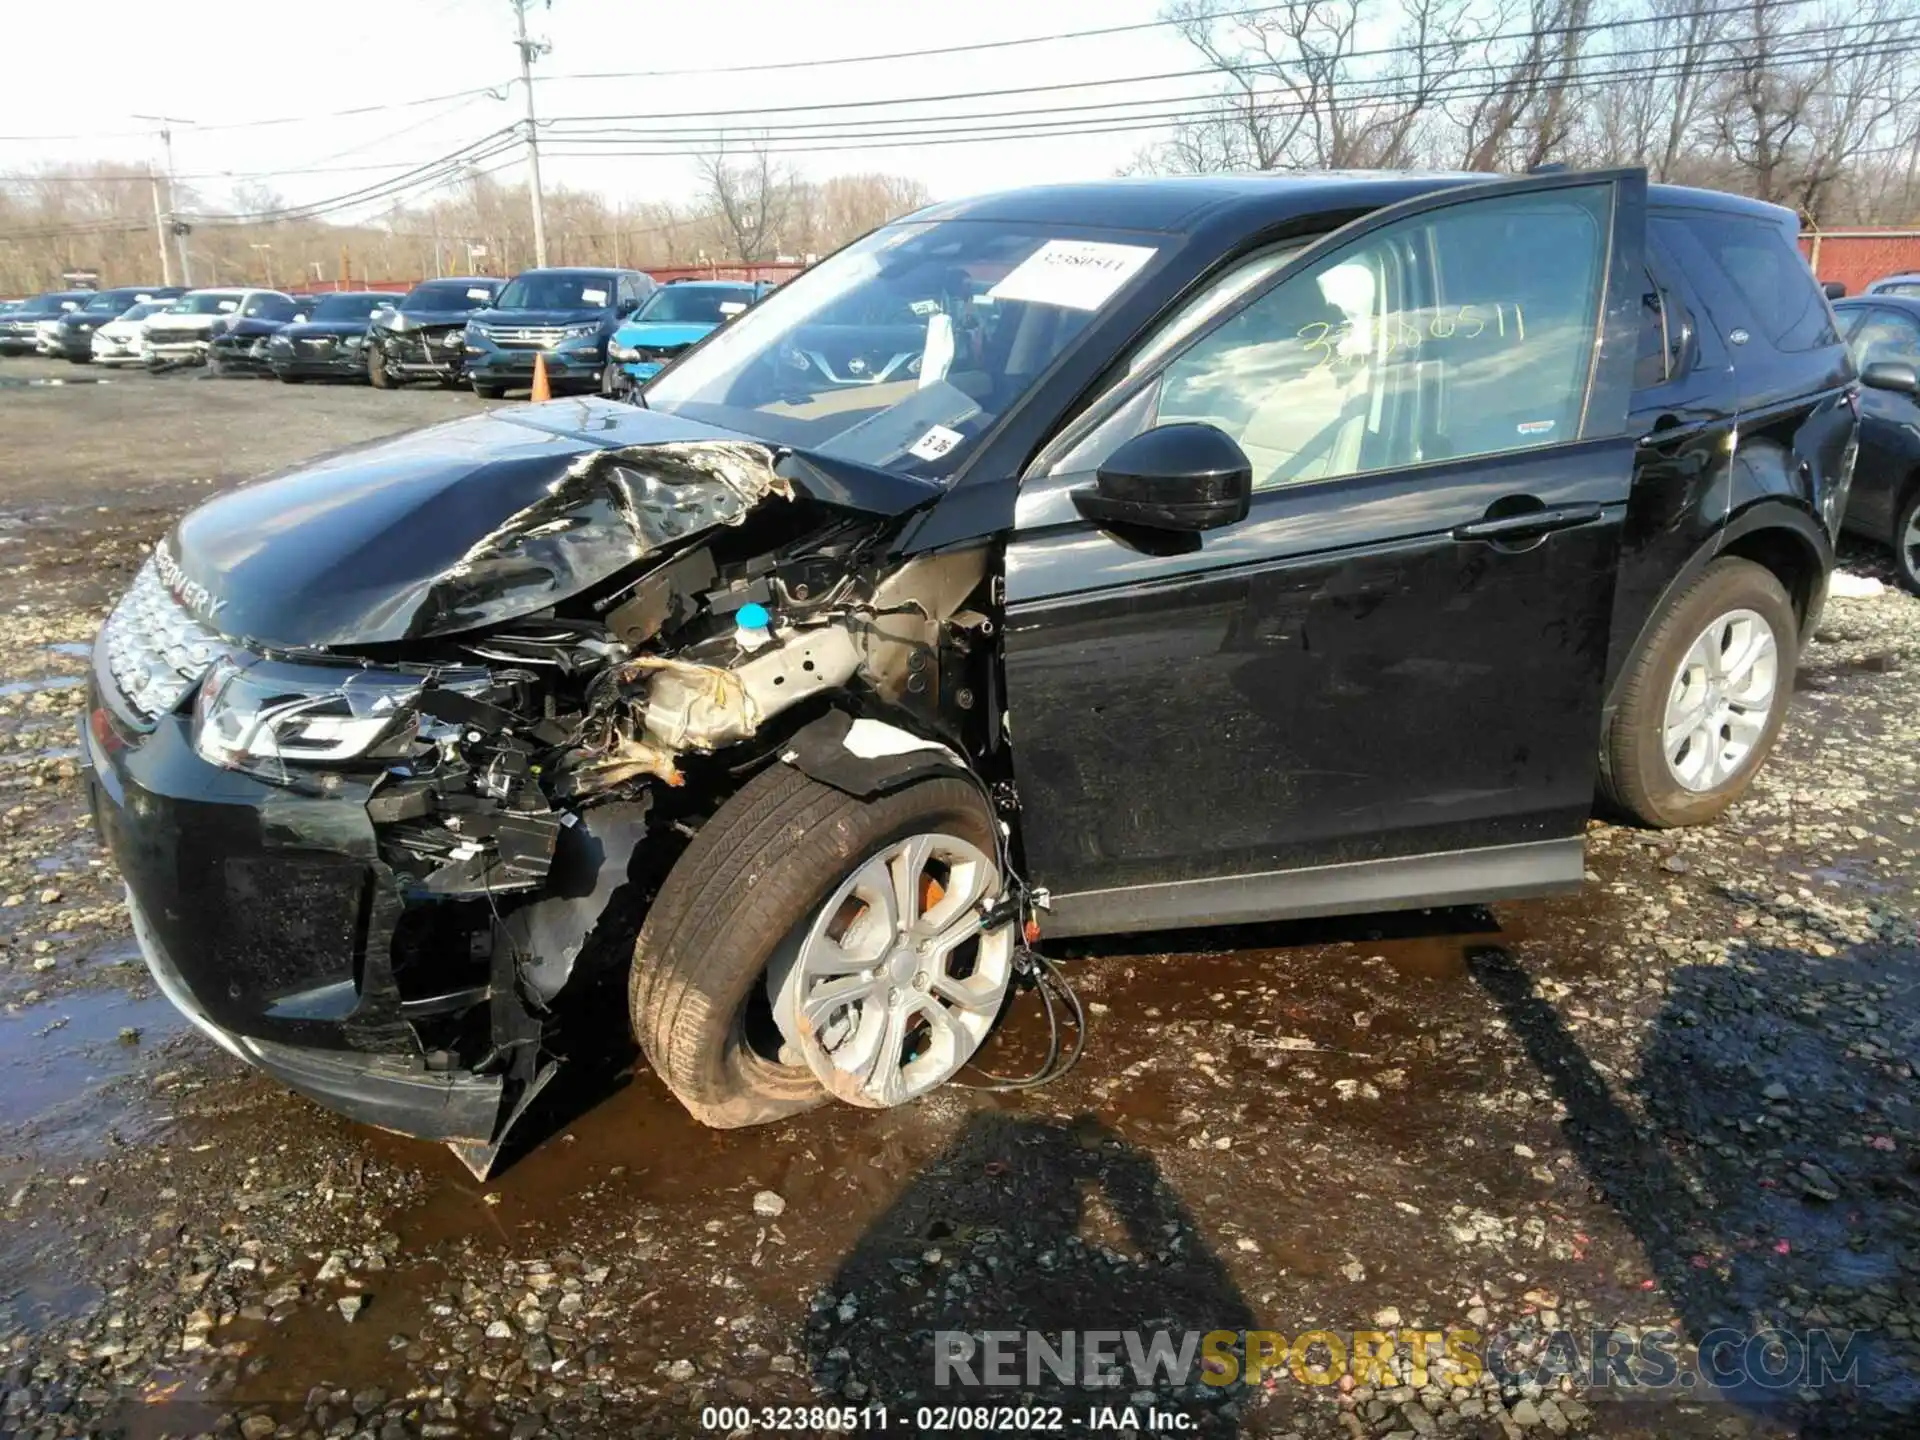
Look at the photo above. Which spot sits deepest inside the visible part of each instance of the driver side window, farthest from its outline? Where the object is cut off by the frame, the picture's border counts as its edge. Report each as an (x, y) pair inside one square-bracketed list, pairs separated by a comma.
[(1458, 332)]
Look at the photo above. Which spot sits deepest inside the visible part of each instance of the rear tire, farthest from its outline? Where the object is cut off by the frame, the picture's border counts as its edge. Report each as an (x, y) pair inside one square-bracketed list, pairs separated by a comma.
[(748, 885), (1906, 541), (1636, 772)]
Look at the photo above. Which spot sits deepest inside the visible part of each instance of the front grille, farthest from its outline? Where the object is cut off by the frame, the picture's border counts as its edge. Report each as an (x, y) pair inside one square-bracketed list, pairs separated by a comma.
[(175, 337), (323, 345), (526, 337), (156, 651), (659, 353)]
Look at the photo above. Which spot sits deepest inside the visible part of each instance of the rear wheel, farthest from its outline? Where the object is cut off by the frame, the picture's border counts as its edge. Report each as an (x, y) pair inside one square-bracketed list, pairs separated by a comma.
[(1703, 702), (809, 943), (1906, 540)]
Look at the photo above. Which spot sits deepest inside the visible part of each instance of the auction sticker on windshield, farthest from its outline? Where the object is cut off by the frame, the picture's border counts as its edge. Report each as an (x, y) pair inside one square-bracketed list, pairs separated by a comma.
[(1073, 274), (935, 443)]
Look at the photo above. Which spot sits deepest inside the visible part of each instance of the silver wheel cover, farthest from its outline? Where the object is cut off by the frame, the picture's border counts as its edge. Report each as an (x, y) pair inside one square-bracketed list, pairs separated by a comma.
[(1722, 696), (1910, 543), (895, 983)]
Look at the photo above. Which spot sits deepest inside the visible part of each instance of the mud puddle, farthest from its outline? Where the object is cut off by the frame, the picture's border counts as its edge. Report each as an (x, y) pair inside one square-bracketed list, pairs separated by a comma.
[(63, 1059)]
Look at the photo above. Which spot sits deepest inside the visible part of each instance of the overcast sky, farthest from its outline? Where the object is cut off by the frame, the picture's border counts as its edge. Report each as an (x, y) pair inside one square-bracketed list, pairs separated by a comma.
[(227, 63)]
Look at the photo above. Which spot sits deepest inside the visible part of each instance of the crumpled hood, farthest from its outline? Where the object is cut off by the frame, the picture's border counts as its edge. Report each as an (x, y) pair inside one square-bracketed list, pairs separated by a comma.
[(481, 520)]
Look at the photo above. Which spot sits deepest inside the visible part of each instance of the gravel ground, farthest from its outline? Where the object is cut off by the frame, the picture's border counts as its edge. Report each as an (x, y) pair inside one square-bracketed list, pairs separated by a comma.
[(1682, 1099)]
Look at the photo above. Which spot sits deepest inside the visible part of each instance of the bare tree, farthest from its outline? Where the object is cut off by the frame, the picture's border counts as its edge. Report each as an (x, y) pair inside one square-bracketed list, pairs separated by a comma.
[(753, 196)]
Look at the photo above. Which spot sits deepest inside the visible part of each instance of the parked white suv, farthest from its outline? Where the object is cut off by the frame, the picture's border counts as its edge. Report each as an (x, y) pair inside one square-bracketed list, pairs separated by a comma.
[(180, 335)]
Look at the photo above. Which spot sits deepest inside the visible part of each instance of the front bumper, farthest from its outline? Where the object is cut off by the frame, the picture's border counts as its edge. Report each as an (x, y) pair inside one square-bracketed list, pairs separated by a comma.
[(641, 370), (461, 1108), (341, 365), (74, 344), (176, 351), (514, 368), (108, 351), (268, 920), (247, 357), (424, 354)]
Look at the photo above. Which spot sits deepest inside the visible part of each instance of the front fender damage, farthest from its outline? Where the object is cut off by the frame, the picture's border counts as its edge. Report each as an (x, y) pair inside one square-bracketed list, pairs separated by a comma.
[(583, 742)]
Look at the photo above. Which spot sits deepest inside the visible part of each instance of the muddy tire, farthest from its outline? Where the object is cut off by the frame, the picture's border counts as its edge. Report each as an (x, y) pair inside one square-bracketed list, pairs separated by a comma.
[(377, 369), (1656, 763), (488, 392), (749, 884)]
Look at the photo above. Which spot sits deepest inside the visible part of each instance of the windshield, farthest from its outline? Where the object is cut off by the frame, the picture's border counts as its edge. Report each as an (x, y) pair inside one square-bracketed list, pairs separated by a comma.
[(108, 304), (349, 307), (144, 309), (447, 295), (53, 304), (549, 291), (206, 303), (903, 349), (685, 305), (1898, 287)]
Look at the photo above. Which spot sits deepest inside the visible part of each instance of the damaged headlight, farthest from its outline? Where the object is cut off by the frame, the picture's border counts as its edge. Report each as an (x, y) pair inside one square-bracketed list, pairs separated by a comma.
[(260, 715), (573, 334), (623, 353)]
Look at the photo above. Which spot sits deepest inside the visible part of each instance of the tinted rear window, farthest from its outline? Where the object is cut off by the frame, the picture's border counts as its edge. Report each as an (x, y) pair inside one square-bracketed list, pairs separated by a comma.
[(1767, 272)]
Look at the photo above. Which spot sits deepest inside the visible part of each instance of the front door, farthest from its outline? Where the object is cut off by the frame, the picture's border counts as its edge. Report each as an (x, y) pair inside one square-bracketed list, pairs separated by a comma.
[(1383, 687)]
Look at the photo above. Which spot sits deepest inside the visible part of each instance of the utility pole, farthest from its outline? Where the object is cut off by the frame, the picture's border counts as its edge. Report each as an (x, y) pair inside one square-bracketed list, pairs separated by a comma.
[(174, 223), (160, 228), (530, 50)]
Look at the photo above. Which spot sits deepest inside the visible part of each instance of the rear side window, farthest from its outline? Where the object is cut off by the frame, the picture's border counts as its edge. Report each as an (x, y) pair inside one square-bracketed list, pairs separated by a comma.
[(1768, 273), (1885, 335)]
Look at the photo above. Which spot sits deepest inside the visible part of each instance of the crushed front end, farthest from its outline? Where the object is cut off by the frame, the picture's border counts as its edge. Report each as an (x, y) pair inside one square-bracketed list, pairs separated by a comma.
[(370, 866)]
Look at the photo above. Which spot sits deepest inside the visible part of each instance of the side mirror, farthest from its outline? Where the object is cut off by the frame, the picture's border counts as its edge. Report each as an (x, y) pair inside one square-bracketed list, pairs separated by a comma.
[(1835, 290), (1185, 477), (1892, 375)]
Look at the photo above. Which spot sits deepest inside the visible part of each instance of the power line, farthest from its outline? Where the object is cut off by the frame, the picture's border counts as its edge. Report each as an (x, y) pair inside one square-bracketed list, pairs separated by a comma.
[(1355, 92), (942, 51)]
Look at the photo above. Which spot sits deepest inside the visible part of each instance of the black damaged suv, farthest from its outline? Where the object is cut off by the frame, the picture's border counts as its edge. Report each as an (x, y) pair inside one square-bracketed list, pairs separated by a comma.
[(1218, 550)]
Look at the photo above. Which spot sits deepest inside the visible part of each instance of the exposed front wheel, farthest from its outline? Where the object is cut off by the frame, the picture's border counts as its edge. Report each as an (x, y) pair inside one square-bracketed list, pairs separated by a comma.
[(613, 381), (1703, 702), (377, 369), (1906, 542), (812, 944)]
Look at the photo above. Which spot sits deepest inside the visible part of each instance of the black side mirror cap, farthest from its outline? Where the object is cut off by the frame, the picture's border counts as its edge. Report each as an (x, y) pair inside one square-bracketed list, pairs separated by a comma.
[(1892, 375), (1185, 477), (1835, 290)]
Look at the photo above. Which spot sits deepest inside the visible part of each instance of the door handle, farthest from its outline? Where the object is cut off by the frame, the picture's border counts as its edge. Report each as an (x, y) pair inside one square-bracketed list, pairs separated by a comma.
[(1528, 523)]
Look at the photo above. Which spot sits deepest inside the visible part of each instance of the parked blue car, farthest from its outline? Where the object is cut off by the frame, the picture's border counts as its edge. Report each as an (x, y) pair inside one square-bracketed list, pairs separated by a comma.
[(675, 316)]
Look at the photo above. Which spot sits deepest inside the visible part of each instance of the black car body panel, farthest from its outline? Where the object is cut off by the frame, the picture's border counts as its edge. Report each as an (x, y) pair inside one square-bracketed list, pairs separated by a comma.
[(74, 338), (325, 344), (1888, 471), (1311, 708), (423, 337), (239, 345)]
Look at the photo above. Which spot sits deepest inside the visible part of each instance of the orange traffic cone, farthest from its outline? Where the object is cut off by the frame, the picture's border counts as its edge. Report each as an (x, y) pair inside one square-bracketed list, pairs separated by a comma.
[(541, 389)]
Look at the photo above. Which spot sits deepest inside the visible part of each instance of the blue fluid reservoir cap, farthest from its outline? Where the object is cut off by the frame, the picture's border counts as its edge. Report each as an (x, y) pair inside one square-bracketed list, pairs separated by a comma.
[(752, 617)]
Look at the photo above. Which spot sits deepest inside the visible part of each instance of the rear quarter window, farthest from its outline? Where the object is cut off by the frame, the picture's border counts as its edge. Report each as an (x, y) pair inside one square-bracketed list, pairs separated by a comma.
[(1767, 272)]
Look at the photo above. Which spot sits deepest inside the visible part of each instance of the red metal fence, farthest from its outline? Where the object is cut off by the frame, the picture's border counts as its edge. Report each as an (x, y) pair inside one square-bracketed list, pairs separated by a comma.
[(1856, 258)]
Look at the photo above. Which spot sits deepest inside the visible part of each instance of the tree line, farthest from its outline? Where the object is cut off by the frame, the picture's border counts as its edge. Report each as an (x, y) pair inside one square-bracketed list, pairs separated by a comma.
[(1812, 104), (746, 207)]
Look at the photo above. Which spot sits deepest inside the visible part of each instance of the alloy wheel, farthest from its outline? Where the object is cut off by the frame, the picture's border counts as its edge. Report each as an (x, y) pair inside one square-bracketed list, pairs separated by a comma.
[(1722, 695), (1910, 545), (896, 982)]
